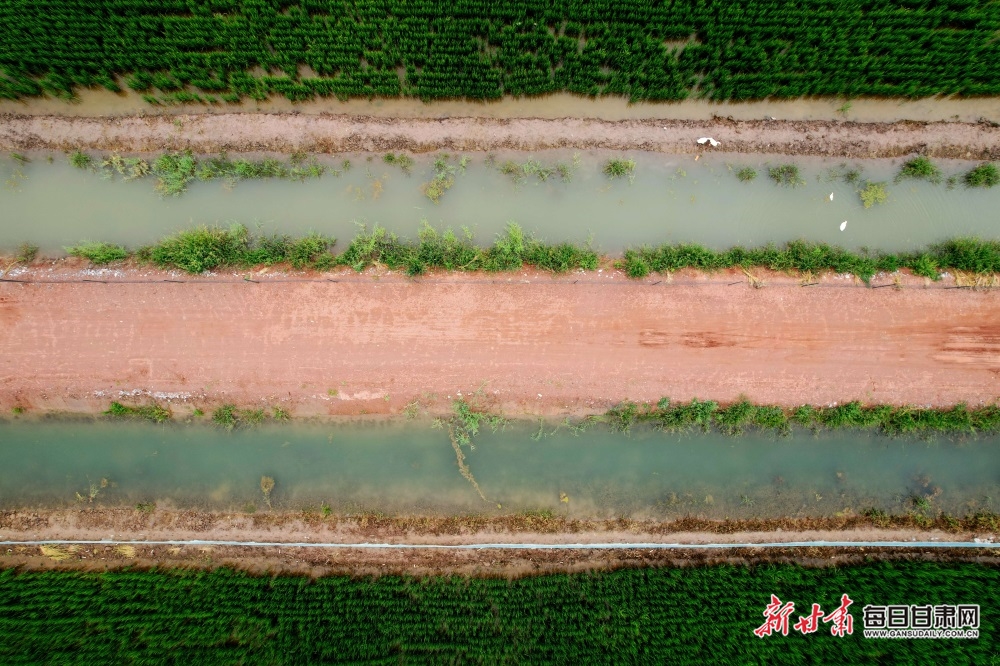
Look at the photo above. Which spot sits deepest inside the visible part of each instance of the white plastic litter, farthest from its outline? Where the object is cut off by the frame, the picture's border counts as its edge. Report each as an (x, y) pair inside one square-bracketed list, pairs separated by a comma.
[(831, 196), (709, 140), (843, 225)]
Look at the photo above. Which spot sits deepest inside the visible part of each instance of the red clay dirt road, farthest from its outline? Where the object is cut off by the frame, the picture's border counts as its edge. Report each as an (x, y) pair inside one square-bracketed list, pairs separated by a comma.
[(550, 347)]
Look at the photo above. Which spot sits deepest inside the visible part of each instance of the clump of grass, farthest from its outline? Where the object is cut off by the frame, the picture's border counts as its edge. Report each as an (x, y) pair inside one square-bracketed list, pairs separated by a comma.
[(174, 171), (984, 175), (99, 253), (469, 417), (444, 176), (746, 174), (450, 251), (739, 416), (921, 168), (281, 414), (129, 168), (523, 171), (231, 417), (17, 410), (26, 253), (873, 194), (403, 161), (152, 412), (205, 248), (619, 168), (786, 174), (80, 159)]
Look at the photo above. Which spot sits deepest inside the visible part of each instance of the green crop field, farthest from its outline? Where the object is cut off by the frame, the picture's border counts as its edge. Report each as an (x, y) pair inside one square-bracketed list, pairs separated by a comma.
[(186, 50), (648, 616)]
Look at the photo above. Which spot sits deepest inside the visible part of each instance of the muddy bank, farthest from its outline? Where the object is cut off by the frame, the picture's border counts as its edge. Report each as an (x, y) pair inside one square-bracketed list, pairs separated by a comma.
[(322, 133), (92, 523)]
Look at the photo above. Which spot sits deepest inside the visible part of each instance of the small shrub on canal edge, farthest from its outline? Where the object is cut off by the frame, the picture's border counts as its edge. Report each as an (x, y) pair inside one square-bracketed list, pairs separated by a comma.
[(746, 174)]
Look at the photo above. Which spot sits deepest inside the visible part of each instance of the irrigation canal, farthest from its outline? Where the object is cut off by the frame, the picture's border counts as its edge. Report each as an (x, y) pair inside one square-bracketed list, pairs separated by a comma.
[(673, 198), (409, 467)]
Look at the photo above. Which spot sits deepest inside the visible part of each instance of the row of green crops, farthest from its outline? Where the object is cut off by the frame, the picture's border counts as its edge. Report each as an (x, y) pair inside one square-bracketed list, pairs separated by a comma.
[(691, 615), (739, 416), (750, 49), (206, 248)]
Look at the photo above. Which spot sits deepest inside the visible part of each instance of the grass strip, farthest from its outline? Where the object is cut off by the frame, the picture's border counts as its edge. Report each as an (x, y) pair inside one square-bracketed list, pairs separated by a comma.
[(151, 412), (967, 254), (207, 248), (675, 615), (736, 418)]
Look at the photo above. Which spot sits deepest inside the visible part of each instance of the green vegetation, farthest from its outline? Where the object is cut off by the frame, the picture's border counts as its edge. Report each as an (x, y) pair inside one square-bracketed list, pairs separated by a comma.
[(746, 174), (967, 254), (434, 249), (152, 412), (444, 176), (619, 168), (99, 253), (674, 615), (873, 194), (80, 160), (403, 161), (26, 253), (786, 174), (737, 417), (920, 168), (231, 417), (984, 175), (203, 53), (207, 248), (175, 171), (524, 171)]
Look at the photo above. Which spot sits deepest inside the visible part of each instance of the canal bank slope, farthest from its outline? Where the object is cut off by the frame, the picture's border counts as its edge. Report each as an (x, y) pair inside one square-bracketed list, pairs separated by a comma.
[(529, 344), (240, 132)]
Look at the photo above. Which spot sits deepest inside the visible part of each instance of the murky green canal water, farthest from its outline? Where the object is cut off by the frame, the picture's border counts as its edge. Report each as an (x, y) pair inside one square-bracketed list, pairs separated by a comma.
[(411, 468), (672, 198)]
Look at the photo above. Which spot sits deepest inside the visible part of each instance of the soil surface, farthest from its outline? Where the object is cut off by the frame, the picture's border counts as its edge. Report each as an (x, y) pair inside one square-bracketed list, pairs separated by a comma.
[(163, 524), (342, 344), (236, 132)]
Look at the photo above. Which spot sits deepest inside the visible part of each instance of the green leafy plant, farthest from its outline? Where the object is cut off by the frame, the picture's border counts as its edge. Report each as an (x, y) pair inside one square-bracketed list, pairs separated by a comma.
[(919, 168), (99, 253), (619, 168), (746, 174), (786, 174), (984, 175), (873, 194), (152, 412)]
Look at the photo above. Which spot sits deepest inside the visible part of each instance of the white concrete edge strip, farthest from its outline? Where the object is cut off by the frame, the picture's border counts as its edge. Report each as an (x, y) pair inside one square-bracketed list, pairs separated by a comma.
[(520, 546)]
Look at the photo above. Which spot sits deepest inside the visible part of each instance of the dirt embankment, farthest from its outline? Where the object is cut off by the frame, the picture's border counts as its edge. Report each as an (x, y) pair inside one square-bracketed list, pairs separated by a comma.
[(534, 344), (236, 132), (162, 524)]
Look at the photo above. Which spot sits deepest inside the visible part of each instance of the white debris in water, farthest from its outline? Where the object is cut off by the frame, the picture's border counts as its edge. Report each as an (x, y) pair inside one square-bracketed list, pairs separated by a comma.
[(831, 196), (709, 140), (843, 225)]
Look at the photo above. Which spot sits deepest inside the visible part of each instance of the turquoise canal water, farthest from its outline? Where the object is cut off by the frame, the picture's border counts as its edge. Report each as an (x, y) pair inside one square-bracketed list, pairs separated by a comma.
[(409, 467), (672, 198)]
